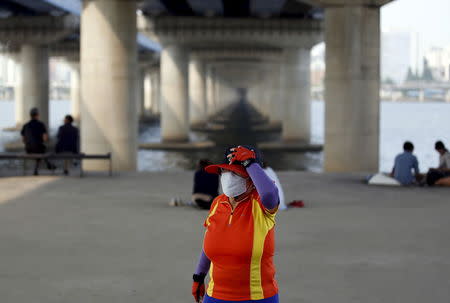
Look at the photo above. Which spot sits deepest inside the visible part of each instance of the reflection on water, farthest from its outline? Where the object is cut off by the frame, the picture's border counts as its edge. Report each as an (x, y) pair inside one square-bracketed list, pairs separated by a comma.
[(422, 123)]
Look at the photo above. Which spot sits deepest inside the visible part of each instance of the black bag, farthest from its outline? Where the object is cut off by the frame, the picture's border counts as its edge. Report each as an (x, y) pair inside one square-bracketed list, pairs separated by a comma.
[(433, 176)]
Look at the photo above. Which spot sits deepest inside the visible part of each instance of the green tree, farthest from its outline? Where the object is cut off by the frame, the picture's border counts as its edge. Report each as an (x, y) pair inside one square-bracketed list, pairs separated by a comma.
[(427, 75), (388, 80), (411, 76)]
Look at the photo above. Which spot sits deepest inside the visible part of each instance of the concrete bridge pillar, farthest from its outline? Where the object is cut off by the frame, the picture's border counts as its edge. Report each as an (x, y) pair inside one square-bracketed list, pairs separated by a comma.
[(75, 91), (276, 96), (210, 91), (352, 81), (35, 81), (20, 114), (229, 94), (148, 100), (140, 93), (156, 91), (174, 94), (267, 90), (296, 87), (215, 88), (197, 91), (223, 90), (108, 78)]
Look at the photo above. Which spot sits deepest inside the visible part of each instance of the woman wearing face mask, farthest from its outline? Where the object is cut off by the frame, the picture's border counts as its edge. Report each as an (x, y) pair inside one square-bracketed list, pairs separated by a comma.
[(238, 246)]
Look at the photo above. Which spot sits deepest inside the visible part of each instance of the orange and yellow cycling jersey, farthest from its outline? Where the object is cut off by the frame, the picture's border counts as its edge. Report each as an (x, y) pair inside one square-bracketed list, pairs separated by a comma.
[(240, 244)]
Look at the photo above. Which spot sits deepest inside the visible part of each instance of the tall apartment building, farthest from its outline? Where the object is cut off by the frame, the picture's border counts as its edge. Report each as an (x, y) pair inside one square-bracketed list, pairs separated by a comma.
[(396, 55), (439, 61)]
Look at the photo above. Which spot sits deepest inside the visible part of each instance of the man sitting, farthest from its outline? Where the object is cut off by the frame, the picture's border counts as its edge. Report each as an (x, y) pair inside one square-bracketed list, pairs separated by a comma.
[(68, 140), (404, 164), (34, 134)]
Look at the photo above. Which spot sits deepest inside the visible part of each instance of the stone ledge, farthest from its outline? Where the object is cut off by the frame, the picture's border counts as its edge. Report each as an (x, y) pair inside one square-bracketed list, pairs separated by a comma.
[(178, 146), (290, 146), (12, 129)]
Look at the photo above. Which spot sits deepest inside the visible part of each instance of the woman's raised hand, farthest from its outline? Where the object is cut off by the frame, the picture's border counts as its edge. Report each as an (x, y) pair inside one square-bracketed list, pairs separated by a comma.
[(241, 154)]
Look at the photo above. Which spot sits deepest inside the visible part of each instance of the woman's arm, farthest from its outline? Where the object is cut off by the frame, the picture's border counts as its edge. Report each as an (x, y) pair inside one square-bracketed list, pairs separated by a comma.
[(203, 264), (266, 187), (198, 284)]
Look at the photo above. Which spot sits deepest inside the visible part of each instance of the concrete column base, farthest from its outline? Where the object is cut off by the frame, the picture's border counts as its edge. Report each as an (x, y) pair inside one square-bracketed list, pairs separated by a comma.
[(35, 82), (108, 81)]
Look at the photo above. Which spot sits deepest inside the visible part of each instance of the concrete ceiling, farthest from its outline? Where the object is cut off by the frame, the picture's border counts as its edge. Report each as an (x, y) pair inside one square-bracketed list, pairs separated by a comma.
[(28, 8), (229, 8)]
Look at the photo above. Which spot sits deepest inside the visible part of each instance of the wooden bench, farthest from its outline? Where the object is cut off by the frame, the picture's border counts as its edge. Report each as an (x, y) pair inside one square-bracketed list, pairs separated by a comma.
[(53, 156)]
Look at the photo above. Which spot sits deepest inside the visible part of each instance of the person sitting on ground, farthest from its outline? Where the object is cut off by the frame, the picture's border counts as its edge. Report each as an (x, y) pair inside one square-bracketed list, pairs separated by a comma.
[(34, 134), (404, 164), (206, 186), (68, 140), (441, 174), (272, 175)]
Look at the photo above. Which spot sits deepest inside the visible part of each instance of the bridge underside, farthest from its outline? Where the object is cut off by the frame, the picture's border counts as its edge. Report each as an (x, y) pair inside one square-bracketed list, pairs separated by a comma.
[(211, 52)]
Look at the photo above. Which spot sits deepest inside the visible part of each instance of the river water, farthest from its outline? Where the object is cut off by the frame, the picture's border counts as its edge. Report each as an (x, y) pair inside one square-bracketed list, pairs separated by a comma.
[(421, 123)]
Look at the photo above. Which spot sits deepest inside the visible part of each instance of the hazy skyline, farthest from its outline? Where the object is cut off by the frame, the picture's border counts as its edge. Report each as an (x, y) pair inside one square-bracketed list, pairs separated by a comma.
[(430, 19)]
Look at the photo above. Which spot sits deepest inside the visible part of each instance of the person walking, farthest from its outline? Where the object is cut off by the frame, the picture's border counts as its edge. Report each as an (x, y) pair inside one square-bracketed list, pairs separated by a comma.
[(34, 134), (67, 140), (238, 246)]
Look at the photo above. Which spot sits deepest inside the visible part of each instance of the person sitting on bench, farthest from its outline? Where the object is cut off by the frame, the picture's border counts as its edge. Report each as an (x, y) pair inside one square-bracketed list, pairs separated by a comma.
[(67, 140), (34, 134)]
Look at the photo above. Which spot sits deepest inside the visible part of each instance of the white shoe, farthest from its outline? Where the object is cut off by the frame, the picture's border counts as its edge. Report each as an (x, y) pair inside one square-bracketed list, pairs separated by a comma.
[(176, 202)]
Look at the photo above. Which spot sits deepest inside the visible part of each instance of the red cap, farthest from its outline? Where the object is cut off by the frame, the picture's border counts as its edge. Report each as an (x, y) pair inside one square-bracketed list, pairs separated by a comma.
[(236, 168)]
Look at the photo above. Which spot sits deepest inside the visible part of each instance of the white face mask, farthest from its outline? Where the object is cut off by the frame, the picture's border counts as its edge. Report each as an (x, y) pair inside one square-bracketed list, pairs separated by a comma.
[(232, 184)]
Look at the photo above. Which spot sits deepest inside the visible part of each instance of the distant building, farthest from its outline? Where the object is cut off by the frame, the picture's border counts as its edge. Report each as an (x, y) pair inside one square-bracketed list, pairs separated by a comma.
[(439, 62), (396, 55)]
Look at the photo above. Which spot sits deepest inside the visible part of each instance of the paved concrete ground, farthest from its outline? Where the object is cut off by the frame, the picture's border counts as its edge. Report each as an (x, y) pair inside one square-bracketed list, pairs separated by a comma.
[(101, 239)]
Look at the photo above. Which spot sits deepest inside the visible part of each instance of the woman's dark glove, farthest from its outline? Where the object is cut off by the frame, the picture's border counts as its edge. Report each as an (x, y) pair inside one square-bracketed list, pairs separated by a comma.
[(198, 287), (243, 155)]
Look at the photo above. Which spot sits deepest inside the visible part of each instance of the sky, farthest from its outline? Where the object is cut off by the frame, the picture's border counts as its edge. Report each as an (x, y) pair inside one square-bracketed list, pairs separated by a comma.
[(429, 18)]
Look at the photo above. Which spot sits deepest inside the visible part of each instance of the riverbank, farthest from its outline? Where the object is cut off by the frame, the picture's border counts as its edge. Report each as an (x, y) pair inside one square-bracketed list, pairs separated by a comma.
[(421, 123), (101, 239)]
